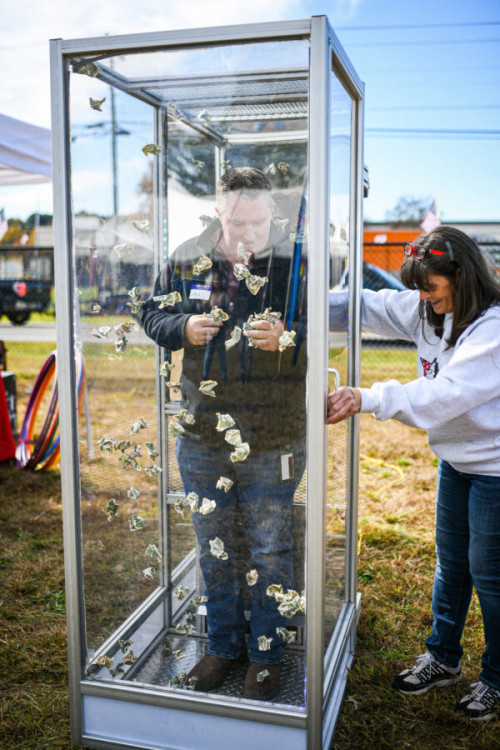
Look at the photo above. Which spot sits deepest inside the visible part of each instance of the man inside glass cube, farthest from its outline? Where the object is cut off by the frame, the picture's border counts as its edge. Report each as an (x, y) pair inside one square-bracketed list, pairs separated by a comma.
[(234, 300)]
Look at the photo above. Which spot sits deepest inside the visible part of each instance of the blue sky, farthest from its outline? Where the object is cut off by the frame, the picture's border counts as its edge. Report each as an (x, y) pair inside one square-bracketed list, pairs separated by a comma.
[(431, 70)]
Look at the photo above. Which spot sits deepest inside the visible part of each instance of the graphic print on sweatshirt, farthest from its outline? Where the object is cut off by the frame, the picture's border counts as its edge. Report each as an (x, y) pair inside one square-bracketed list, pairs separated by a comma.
[(431, 369)]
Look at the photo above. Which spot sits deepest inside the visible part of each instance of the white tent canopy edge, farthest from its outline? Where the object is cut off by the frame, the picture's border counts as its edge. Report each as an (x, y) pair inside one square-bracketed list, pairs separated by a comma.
[(25, 152)]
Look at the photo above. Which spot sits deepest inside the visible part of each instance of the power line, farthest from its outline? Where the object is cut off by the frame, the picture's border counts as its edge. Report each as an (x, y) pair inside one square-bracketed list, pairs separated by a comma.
[(434, 133), (418, 26), (432, 69), (421, 42), (433, 107)]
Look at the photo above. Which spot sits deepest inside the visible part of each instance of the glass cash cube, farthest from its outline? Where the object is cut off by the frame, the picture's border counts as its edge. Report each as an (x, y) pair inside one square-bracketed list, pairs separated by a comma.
[(144, 128)]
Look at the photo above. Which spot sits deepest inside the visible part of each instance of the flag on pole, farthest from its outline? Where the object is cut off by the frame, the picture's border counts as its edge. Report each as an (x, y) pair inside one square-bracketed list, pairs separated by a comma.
[(432, 218), (4, 224)]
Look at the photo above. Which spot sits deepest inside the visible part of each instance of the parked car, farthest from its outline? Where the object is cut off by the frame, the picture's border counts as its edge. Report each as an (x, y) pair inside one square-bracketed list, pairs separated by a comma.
[(374, 278), (18, 299), (26, 280)]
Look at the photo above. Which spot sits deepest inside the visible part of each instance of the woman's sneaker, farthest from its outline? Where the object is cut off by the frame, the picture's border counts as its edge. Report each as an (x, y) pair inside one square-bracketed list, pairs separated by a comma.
[(481, 704), (427, 673)]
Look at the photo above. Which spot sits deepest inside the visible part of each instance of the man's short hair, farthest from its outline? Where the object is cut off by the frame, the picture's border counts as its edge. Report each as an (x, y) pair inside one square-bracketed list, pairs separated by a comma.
[(247, 180)]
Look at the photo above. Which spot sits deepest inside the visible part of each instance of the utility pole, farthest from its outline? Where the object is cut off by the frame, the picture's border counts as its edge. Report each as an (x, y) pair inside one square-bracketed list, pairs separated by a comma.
[(114, 161)]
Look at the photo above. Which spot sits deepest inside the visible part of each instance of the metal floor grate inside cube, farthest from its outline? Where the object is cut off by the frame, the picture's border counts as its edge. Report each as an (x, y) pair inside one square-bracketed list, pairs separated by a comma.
[(162, 666)]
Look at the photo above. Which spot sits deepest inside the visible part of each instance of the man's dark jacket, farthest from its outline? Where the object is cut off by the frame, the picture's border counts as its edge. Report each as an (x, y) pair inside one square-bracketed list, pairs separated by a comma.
[(263, 391)]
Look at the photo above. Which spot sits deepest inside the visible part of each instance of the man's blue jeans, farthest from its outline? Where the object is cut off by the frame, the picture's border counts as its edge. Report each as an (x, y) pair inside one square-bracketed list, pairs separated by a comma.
[(253, 520), (468, 554)]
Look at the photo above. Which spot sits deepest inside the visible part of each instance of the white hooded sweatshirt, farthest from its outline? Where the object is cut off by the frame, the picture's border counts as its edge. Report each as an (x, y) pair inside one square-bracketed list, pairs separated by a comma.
[(457, 394)]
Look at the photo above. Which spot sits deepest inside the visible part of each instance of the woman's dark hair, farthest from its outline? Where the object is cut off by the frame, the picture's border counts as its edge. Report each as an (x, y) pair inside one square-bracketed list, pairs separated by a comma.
[(465, 267)]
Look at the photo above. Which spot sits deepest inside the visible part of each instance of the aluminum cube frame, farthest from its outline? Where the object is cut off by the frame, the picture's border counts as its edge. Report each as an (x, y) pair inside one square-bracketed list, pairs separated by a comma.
[(109, 706)]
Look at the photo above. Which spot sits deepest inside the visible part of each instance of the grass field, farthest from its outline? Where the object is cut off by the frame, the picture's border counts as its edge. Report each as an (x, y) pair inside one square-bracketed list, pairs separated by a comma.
[(397, 484)]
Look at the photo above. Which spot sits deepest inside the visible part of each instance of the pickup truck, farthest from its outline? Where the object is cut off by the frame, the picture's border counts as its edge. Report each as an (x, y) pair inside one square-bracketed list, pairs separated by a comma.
[(26, 281)]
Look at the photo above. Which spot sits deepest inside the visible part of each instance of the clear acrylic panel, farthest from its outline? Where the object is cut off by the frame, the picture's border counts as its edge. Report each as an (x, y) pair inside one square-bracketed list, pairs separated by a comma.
[(336, 509), (111, 255), (192, 501)]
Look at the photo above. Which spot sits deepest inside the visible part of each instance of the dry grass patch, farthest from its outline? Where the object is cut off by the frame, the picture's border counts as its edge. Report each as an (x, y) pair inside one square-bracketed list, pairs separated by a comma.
[(34, 702)]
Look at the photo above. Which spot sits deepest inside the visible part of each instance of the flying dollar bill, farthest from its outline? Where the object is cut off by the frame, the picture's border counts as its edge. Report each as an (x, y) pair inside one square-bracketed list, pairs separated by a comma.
[(111, 509), (240, 453), (167, 300), (217, 548), (252, 577), (235, 337), (224, 483), (255, 283), (224, 421), (264, 643), (97, 103), (203, 264), (286, 339), (207, 387), (151, 148)]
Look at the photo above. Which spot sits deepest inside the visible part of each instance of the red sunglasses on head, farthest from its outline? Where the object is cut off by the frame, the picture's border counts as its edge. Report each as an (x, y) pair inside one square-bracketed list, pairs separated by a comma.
[(420, 252)]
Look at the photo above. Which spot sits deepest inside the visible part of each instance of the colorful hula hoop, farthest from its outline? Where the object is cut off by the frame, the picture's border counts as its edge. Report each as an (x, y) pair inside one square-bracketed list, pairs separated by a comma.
[(41, 454)]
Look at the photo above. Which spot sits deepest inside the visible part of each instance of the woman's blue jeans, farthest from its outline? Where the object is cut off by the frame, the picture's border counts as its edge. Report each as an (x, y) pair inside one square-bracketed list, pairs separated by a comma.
[(253, 520), (468, 555)]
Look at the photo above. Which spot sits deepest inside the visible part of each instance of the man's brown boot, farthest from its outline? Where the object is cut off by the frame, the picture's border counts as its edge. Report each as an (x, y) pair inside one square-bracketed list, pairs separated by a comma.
[(262, 681), (211, 671)]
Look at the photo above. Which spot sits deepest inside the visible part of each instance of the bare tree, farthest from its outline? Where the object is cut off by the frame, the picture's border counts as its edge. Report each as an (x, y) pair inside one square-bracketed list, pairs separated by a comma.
[(409, 211)]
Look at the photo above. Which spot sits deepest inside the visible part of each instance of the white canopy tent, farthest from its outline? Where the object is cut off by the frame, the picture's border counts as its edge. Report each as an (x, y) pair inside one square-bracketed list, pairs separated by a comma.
[(25, 153)]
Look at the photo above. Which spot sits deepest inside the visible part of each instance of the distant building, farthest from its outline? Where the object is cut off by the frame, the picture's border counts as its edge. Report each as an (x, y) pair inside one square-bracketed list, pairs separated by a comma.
[(44, 237)]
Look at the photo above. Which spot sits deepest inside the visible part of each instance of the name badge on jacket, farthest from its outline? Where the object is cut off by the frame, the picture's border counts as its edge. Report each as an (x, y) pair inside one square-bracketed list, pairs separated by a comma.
[(200, 291)]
